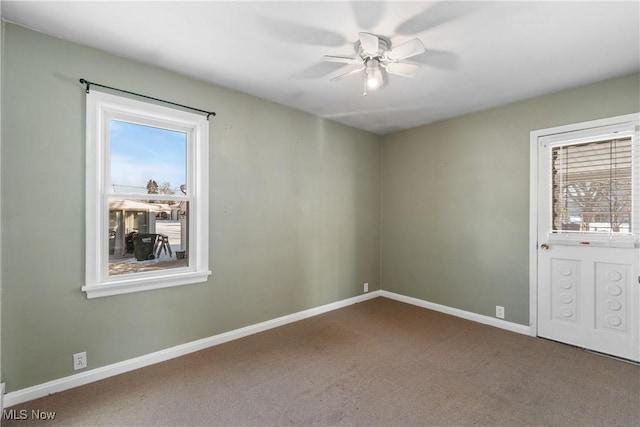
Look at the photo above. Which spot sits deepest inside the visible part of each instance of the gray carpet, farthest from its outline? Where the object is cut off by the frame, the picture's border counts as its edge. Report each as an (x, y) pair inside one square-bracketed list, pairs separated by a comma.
[(380, 362)]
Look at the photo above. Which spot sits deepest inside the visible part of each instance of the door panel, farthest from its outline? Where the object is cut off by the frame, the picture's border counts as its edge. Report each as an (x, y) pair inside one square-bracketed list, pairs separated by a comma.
[(612, 297), (565, 278), (586, 297)]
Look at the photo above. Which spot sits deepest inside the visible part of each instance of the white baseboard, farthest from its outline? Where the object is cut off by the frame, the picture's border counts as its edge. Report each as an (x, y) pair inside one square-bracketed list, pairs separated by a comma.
[(498, 323), (76, 380)]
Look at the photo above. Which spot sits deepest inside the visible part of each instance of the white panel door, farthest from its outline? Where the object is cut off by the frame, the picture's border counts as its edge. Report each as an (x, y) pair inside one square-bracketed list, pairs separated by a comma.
[(588, 259)]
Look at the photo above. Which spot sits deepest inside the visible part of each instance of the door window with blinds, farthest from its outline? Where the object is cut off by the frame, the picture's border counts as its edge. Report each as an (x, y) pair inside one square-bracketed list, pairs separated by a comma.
[(592, 189), (594, 192)]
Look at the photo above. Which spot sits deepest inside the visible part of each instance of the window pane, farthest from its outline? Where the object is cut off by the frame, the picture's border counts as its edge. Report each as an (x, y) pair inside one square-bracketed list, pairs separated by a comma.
[(147, 236), (147, 160), (592, 187)]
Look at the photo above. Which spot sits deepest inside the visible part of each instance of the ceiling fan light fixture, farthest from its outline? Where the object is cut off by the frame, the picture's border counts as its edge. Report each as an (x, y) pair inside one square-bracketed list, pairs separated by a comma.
[(374, 75), (372, 81)]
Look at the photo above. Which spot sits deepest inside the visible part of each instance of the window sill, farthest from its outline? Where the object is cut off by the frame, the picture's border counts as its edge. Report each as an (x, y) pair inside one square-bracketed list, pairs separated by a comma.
[(128, 286), (593, 239)]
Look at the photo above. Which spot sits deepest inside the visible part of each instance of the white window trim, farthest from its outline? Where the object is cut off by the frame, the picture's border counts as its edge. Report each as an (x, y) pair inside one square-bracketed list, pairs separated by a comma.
[(100, 108)]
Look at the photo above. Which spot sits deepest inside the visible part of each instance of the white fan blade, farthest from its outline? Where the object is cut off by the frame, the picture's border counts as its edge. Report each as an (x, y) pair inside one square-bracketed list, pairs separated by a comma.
[(406, 50), (369, 43), (341, 76), (342, 59), (403, 69)]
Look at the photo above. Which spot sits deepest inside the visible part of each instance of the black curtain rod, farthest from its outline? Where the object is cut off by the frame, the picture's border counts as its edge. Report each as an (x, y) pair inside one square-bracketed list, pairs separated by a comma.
[(88, 85)]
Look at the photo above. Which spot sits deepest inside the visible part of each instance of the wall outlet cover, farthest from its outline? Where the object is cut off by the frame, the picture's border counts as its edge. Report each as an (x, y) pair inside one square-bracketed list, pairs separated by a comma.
[(79, 360), (499, 312), (366, 287)]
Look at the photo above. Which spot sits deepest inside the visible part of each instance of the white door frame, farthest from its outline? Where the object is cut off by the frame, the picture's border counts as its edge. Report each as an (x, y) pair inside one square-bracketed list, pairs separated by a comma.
[(533, 200)]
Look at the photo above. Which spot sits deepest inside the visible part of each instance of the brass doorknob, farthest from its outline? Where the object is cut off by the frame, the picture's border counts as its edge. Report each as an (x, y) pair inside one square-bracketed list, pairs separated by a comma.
[(544, 246)]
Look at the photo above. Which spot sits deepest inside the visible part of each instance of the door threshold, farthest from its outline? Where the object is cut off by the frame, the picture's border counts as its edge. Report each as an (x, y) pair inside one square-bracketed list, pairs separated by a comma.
[(597, 353), (621, 359)]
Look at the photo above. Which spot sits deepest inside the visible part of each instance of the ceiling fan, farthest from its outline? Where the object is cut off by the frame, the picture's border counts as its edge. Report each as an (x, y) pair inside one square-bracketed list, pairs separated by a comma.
[(374, 54)]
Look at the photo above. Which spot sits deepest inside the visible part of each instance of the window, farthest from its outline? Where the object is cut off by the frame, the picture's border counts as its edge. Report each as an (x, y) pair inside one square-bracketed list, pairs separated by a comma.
[(592, 186), (594, 191), (146, 196)]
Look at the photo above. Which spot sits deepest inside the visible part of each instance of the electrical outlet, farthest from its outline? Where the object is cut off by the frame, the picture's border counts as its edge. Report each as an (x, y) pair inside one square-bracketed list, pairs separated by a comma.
[(79, 360), (366, 287), (499, 312)]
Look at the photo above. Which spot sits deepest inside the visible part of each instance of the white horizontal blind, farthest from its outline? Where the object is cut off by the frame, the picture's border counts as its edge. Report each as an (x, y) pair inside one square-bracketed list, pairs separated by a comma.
[(592, 187)]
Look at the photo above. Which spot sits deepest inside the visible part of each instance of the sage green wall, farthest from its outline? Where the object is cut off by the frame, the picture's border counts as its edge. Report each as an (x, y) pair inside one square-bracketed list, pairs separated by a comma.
[(455, 199), (294, 220)]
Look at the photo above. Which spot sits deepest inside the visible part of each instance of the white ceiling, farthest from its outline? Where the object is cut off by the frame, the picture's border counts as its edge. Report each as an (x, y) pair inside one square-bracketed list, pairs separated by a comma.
[(479, 54)]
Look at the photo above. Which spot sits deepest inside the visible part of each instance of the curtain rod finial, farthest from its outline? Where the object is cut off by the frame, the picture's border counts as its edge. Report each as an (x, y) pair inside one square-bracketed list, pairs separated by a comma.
[(85, 82)]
